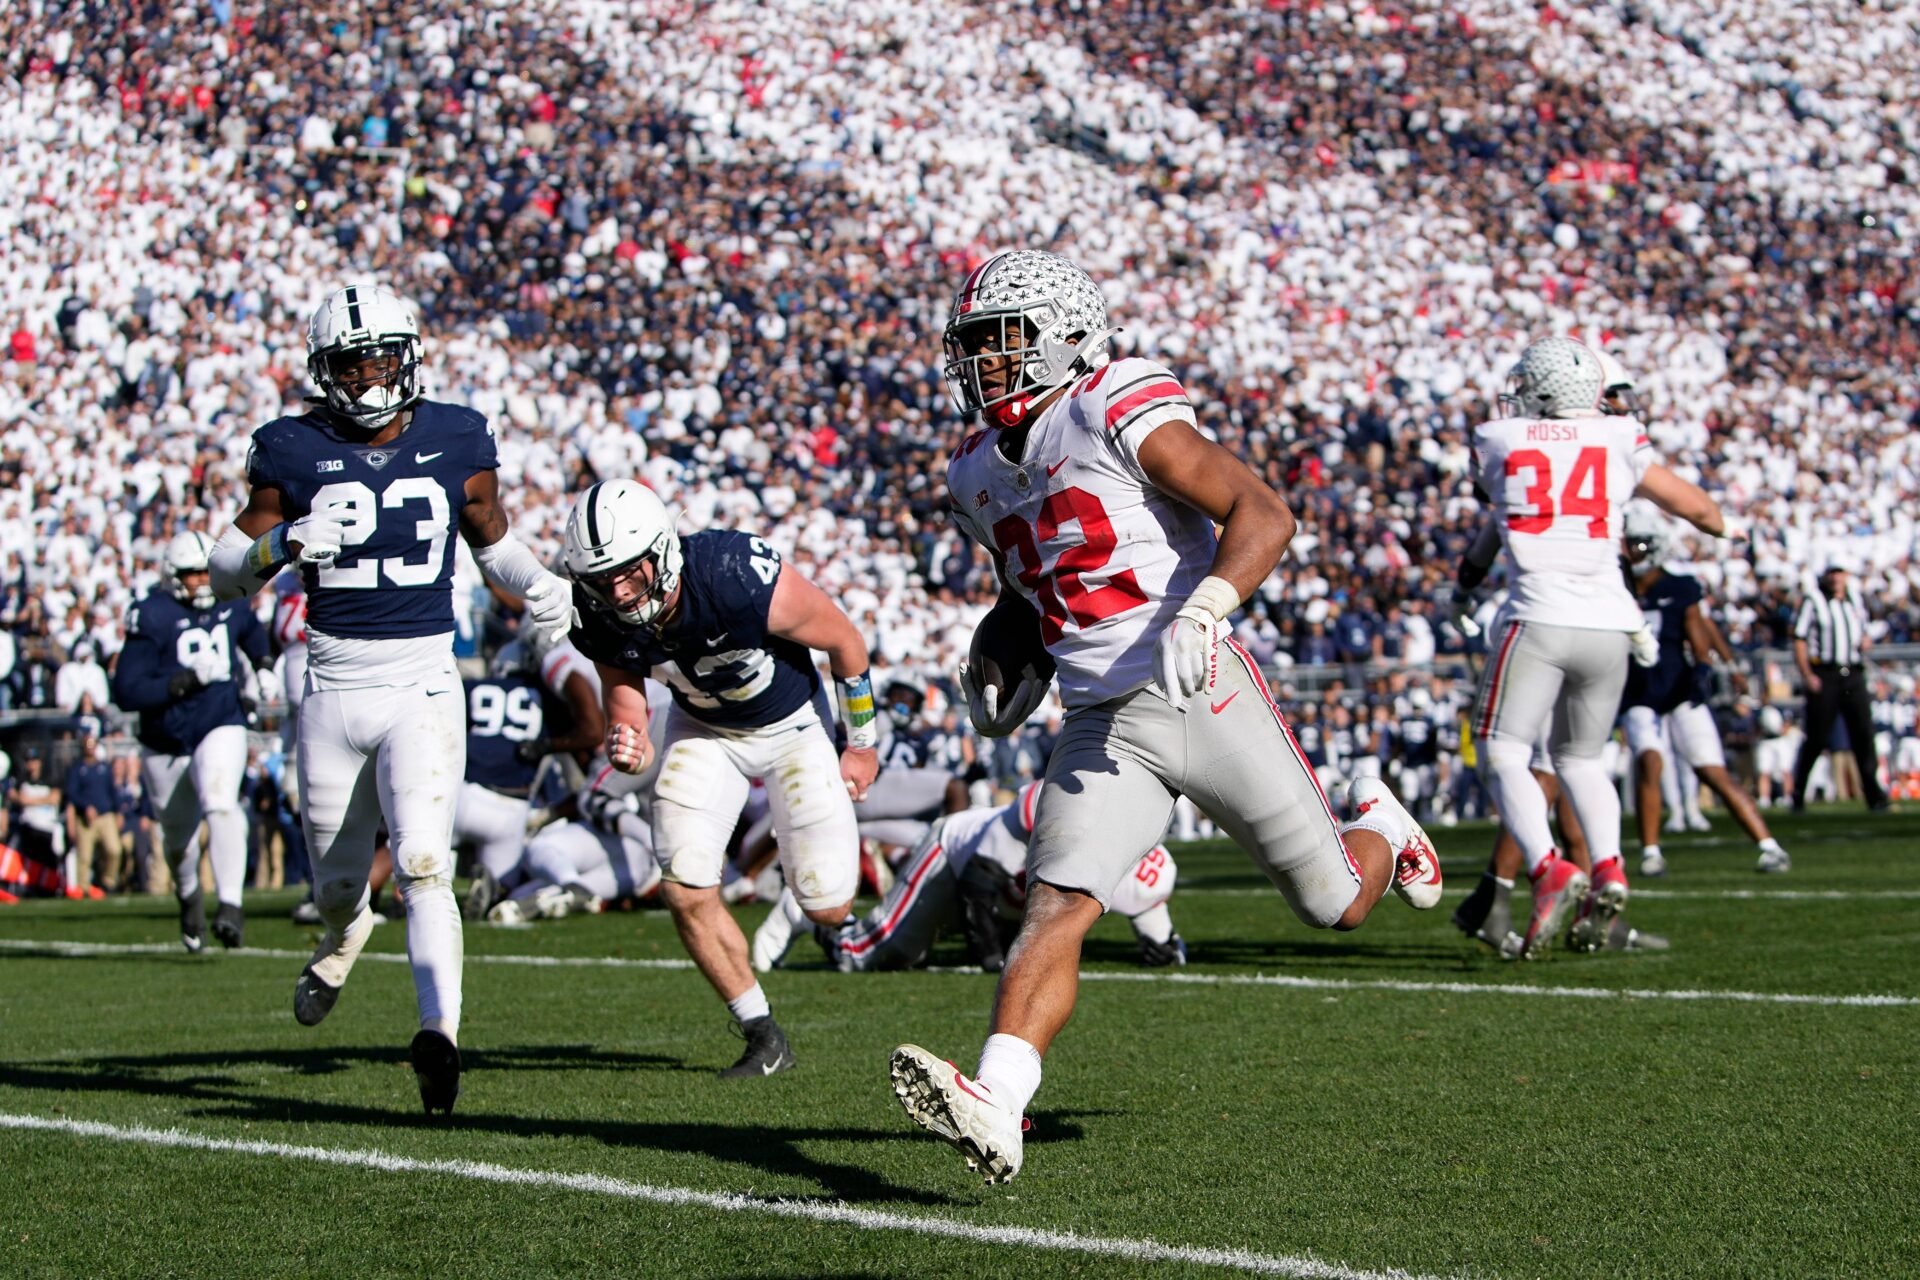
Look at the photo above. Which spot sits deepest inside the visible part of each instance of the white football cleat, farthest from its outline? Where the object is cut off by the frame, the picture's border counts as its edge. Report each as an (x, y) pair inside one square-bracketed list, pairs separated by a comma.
[(1698, 822), (774, 938), (958, 1111), (510, 911), (1774, 862), (1653, 864), (1416, 867)]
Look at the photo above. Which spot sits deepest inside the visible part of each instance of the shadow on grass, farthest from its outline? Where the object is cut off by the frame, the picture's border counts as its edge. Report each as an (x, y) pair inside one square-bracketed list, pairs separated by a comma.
[(1325, 951), (196, 1078)]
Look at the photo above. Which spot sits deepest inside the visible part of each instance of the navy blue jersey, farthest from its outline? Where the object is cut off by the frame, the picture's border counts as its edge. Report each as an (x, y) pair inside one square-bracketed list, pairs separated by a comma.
[(394, 577), (908, 749), (504, 713), (1668, 682), (715, 655), (163, 636), (1419, 743), (1308, 737)]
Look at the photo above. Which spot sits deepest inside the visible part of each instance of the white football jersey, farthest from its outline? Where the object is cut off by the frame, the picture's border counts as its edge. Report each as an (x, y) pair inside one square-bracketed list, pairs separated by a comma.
[(1559, 486), (1104, 556)]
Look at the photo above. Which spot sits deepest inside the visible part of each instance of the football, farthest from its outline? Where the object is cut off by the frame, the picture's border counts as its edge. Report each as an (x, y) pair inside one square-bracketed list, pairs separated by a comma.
[(1009, 646)]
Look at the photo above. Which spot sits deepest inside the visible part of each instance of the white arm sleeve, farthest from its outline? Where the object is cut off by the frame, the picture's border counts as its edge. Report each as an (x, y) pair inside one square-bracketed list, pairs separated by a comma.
[(509, 564), (233, 578)]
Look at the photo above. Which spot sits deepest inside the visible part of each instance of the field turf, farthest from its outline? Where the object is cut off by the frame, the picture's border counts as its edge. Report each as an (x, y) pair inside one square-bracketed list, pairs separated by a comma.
[(1394, 1099)]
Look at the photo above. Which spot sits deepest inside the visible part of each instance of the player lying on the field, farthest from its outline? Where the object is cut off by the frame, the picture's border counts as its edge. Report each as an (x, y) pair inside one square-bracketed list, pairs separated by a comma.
[(969, 873), (1097, 497), (365, 494), (1665, 705), (574, 867), (730, 628)]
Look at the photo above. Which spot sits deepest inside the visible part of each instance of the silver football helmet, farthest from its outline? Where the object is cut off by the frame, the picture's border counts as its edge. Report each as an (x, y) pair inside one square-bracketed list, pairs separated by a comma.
[(1026, 321), (188, 552), (1644, 535), (1554, 378), (615, 528), (363, 352), (1618, 398)]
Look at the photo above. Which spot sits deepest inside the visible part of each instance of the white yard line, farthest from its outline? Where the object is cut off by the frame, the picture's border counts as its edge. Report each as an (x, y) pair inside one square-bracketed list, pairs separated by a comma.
[(78, 949), (1654, 895), (1131, 1250)]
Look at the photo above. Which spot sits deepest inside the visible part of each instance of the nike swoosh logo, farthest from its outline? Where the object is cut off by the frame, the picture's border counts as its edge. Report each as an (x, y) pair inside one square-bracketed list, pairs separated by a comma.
[(426, 457), (1221, 705), (768, 1068), (1056, 466), (717, 641)]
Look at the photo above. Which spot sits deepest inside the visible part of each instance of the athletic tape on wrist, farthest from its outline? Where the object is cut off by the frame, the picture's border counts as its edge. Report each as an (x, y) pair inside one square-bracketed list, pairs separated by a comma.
[(268, 552), (857, 713), (1216, 596)]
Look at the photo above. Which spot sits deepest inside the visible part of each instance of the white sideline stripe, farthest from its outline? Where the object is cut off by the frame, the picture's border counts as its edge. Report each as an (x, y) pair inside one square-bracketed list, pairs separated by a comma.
[(78, 949), (1674, 895), (680, 1197)]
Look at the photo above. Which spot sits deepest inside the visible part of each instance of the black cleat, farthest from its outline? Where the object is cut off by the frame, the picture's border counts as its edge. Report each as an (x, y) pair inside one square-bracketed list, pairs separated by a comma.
[(193, 923), (437, 1063), (767, 1050), (229, 925), (312, 999), (482, 894)]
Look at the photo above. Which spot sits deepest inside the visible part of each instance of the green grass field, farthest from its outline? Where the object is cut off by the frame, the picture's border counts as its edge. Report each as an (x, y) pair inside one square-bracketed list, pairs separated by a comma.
[(1403, 1101)]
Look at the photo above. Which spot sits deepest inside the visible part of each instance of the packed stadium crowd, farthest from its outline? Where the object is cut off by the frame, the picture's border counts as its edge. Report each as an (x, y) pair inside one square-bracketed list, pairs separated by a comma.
[(711, 246)]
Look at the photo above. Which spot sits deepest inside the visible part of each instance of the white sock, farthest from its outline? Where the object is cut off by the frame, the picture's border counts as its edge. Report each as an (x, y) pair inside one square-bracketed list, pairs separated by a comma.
[(1383, 822), (1155, 924), (436, 950), (789, 906), (1649, 850), (227, 849), (750, 1005), (334, 962), (1770, 845), (1504, 884), (1010, 1069)]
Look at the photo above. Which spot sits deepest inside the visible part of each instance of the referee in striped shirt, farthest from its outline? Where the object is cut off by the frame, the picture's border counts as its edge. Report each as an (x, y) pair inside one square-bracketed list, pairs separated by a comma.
[(1830, 648)]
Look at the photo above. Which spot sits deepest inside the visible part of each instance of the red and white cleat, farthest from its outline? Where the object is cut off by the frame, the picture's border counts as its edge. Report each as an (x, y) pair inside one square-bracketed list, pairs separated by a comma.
[(1558, 886), (1606, 898), (959, 1111), (1416, 867)]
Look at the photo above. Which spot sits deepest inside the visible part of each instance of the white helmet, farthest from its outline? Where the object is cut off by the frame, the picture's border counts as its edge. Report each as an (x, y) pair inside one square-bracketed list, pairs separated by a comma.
[(1772, 722), (1554, 378), (188, 553), (1645, 535), (1062, 321), (613, 527), (1617, 395), (363, 322)]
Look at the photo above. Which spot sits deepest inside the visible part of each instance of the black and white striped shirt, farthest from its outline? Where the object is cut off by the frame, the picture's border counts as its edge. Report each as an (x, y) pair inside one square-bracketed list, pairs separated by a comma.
[(1832, 628)]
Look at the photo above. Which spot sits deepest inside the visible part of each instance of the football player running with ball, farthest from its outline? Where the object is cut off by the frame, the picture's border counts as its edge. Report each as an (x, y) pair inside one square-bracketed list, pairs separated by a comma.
[(364, 494), (728, 628), (1097, 497)]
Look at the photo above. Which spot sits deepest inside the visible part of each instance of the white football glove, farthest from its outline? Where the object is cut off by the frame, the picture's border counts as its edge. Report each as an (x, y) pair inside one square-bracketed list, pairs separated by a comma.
[(210, 667), (1183, 656), (1462, 615), (1645, 646), (550, 607), (989, 718), (321, 534)]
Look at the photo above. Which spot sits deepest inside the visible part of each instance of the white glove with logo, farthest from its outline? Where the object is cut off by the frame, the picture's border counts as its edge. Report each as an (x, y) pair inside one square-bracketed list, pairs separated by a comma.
[(550, 607), (989, 718), (1183, 656), (321, 534), (1645, 646)]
